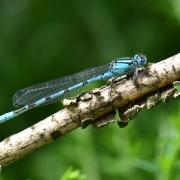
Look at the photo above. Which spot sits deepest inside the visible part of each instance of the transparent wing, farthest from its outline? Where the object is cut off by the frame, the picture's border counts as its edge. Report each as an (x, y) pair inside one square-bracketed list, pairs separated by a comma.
[(33, 93)]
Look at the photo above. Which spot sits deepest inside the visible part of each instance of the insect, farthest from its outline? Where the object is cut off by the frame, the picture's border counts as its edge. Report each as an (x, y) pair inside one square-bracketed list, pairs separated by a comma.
[(51, 91)]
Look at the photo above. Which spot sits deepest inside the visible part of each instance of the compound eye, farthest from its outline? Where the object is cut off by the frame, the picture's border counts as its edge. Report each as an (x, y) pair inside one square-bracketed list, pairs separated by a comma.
[(140, 58), (136, 57)]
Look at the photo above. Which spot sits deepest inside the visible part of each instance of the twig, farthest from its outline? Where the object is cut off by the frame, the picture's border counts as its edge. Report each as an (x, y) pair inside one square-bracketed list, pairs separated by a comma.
[(97, 107)]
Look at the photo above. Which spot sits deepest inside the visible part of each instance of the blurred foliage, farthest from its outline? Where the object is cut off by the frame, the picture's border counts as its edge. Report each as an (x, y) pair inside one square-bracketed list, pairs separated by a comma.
[(42, 40), (72, 174)]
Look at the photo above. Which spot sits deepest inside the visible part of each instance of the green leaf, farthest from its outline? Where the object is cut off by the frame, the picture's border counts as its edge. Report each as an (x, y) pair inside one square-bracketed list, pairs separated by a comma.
[(176, 85), (72, 174)]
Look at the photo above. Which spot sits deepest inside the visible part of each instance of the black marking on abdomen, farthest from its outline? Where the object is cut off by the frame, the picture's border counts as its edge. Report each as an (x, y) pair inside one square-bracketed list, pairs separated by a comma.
[(66, 91), (84, 83), (24, 108), (21, 110), (48, 98), (31, 105)]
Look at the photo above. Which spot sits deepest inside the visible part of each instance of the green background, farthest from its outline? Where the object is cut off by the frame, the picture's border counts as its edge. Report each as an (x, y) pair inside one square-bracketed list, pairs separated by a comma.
[(42, 40)]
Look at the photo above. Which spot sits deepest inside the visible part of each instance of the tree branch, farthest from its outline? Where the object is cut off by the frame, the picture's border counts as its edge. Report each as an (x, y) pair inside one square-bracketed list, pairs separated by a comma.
[(97, 107)]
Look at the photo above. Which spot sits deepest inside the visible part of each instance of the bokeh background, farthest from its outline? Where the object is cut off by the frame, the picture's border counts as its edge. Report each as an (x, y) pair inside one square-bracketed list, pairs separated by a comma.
[(42, 40)]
